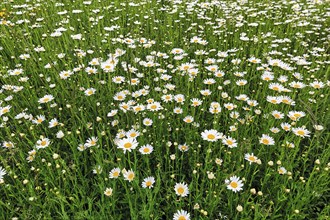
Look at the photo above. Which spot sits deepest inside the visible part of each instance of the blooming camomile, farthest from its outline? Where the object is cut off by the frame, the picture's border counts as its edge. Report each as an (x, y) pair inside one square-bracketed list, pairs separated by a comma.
[(230, 142), (146, 149), (251, 158), (53, 123), (132, 133), (147, 122), (282, 170), (8, 144), (129, 175), (181, 215), (148, 182), (181, 189), (114, 173), (46, 98), (234, 184), (108, 191), (301, 132), (90, 91), (91, 142), (42, 143), (183, 147), (127, 144), (155, 106), (266, 140), (211, 135), (2, 174)]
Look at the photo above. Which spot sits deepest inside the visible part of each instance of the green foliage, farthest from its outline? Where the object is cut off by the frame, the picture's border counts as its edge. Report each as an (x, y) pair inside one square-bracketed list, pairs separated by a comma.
[(250, 138)]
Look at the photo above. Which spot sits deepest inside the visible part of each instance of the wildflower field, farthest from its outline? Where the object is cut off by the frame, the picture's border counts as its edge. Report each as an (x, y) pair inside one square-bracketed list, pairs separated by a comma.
[(164, 109)]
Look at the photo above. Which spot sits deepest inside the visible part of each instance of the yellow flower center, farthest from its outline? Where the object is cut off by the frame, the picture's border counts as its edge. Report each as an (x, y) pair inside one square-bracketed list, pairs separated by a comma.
[(133, 135), (265, 141), (301, 132), (211, 136), (252, 158), (130, 176), (127, 145), (233, 184), (181, 190)]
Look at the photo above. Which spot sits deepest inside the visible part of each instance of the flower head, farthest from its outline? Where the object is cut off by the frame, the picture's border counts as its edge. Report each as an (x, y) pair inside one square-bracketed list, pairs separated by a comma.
[(114, 173), (301, 132), (211, 135), (148, 182), (2, 174), (181, 215), (146, 149), (42, 143), (46, 98), (251, 158), (108, 191), (234, 184), (129, 175), (266, 140), (127, 144), (181, 189)]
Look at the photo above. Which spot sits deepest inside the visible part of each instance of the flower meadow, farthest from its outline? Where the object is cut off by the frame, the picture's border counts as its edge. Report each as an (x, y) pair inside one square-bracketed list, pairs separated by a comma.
[(164, 109)]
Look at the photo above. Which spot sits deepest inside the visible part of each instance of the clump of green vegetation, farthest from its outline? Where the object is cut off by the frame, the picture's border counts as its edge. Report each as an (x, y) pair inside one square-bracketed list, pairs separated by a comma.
[(164, 109)]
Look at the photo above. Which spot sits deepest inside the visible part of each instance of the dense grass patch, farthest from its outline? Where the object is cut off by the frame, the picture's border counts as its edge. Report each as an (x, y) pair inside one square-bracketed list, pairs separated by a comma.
[(166, 109)]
